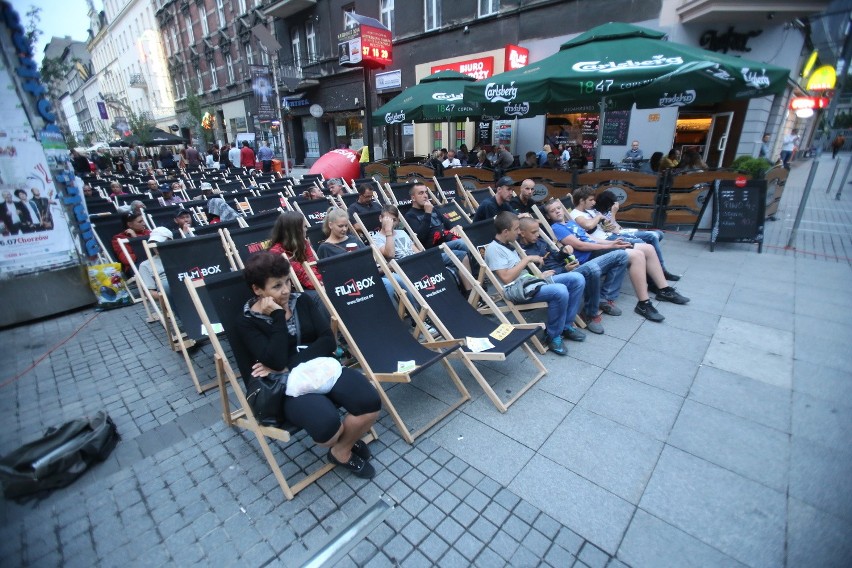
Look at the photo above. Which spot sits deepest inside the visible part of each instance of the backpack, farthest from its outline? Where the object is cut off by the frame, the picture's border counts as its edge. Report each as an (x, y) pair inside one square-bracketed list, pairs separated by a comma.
[(59, 457)]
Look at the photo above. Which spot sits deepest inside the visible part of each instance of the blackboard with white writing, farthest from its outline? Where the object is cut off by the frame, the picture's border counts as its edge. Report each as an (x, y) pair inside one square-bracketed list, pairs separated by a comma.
[(738, 212), (616, 125)]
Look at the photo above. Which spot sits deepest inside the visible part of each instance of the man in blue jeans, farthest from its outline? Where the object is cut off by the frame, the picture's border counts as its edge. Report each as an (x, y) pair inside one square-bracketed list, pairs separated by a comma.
[(603, 274), (563, 296)]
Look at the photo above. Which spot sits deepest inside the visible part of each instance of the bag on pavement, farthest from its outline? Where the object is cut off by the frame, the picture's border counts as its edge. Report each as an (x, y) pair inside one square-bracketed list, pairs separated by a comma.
[(59, 457)]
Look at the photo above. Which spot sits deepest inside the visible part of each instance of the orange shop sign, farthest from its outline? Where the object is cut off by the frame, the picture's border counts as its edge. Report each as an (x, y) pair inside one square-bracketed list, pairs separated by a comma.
[(516, 57), (481, 68), (813, 103)]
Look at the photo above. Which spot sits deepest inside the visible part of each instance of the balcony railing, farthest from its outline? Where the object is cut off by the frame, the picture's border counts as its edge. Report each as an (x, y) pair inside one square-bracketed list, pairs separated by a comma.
[(138, 80)]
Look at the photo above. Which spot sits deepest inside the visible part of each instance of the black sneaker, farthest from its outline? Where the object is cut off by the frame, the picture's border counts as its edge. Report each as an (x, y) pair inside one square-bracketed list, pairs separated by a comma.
[(652, 288), (362, 450), (647, 310), (669, 294), (555, 344), (671, 277), (357, 465)]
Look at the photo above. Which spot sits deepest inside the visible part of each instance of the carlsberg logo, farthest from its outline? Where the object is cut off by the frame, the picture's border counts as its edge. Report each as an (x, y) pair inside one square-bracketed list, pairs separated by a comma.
[(428, 282), (677, 99), (353, 287), (500, 93), (756, 79), (610, 66), (517, 109), (394, 117), (449, 97)]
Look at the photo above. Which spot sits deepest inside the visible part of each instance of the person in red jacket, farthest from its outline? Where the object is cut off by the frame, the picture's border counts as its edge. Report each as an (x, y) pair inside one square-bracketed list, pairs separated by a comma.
[(134, 226), (247, 156)]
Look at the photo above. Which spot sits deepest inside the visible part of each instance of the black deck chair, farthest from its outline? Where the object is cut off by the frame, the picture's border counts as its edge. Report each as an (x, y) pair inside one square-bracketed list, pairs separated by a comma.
[(135, 246), (99, 206), (230, 186), (447, 188), (194, 258), (353, 292), (163, 216), (399, 193), (106, 227), (249, 240), (213, 228), (315, 235), (435, 288), (453, 212), (227, 294), (265, 202), (476, 196), (314, 210), (262, 218), (348, 199)]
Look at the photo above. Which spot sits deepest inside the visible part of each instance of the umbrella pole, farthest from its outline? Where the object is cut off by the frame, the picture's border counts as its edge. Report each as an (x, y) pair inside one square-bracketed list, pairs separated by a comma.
[(281, 135), (601, 119)]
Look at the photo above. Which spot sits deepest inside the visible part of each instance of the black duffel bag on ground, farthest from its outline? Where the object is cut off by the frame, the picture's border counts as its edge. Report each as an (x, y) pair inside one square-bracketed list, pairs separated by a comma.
[(59, 457)]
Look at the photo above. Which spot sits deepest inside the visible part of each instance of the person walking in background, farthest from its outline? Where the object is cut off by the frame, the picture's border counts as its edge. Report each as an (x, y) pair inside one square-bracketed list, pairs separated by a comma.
[(247, 159), (264, 154), (765, 149), (235, 156), (837, 144), (791, 141)]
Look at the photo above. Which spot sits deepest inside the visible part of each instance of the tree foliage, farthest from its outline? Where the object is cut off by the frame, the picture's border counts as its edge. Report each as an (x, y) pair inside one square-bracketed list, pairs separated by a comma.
[(196, 111), (141, 125)]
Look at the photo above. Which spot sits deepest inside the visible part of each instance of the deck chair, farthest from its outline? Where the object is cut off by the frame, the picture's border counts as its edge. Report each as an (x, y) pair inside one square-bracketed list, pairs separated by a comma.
[(313, 210), (243, 242), (193, 259), (214, 228), (538, 213), (162, 216), (447, 188), (266, 202), (398, 194), (435, 290), (355, 297), (475, 197), (476, 237), (454, 213), (227, 293), (261, 218), (347, 199)]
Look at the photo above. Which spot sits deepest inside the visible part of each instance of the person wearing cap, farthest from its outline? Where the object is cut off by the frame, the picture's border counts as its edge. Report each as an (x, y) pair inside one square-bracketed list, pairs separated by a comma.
[(147, 267), (182, 223), (206, 189), (491, 206), (170, 194)]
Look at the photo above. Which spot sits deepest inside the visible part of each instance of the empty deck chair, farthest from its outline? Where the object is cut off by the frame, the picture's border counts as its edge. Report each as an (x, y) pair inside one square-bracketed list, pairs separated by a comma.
[(355, 297), (436, 291)]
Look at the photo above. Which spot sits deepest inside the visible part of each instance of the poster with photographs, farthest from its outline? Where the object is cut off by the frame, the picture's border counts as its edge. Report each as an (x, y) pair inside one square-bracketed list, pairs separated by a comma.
[(34, 231)]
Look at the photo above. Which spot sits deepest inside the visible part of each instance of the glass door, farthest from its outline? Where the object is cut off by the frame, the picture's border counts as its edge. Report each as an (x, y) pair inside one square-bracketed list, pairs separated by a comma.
[(717, 140)]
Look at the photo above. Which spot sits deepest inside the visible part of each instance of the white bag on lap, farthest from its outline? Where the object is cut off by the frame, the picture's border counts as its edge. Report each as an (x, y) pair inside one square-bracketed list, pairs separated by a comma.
[(315, 376)]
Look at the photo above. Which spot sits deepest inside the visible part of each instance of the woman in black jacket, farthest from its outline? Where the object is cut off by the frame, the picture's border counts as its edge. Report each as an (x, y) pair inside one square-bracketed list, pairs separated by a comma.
[(280, 329)]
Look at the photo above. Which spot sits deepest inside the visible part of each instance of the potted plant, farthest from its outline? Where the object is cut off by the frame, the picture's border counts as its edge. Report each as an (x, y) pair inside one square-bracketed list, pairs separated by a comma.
[(755, 167)]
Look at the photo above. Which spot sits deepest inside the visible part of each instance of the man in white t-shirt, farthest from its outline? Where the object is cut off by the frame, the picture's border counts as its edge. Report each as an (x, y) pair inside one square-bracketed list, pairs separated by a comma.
[(791, 141), (234, 156), (451, 161)]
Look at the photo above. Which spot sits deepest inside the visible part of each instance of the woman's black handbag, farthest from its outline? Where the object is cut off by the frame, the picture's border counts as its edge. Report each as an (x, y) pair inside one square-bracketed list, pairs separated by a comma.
[(266, 398)]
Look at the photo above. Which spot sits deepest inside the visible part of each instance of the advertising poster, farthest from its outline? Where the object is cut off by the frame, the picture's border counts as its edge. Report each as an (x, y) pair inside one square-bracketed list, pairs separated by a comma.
[(264, 96), (34, 231)]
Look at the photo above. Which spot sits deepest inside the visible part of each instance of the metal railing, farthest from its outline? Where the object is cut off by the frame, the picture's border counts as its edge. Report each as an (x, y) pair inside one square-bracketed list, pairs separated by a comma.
[(138, 80)]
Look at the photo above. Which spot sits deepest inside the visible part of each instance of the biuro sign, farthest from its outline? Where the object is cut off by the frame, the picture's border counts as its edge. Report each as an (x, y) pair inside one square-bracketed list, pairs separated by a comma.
[(481, 68)]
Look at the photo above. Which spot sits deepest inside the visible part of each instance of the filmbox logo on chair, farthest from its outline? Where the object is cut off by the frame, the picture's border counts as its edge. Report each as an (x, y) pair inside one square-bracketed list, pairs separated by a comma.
[(428, 282), (354, 287), (199, 273)]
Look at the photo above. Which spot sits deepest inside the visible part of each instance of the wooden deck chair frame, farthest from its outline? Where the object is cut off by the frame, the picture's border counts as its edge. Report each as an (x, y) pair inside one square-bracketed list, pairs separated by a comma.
[(400, 376), (468, 358), (144, 293), (439, 189), (176, 336), (243, 417), (539, 216), (509, 306), (472, 201)]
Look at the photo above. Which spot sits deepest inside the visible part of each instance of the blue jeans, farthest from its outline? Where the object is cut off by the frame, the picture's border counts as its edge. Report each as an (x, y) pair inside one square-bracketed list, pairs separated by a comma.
[(576, 284), (556, 296), (390, 291), (610, 269), (653, 238)]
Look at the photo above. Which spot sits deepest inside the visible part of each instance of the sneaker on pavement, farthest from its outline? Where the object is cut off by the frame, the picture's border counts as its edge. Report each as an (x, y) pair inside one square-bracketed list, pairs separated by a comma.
[(609, 308), (555, 344), (671, 277), (669, 294), (593, 324), (357, 465), (647, 310), (573, 334)]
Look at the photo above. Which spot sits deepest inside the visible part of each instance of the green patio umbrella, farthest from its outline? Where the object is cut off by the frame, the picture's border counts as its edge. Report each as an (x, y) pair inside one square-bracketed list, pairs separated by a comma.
[(437, 98), (623, 64)]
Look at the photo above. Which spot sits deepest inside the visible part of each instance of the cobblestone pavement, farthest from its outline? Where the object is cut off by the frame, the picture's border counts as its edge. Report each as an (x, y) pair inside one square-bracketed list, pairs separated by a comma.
[(719, 437)]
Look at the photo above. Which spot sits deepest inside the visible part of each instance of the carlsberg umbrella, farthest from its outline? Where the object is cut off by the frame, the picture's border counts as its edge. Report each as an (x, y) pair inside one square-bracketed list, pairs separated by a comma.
[(437, 98), (623, 64)]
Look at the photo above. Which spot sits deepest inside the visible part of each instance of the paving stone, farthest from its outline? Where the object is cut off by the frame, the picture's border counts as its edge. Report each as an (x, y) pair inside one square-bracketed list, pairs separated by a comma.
[(558, 556), (397, 548), (593, 556), (450, 530), (488, 558), (433, 547), (415, 532), (483, 529), (464, 515), (447, 502)]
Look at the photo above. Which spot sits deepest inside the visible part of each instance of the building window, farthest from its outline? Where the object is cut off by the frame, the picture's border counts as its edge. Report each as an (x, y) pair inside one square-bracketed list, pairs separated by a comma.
[(177, 87), (249, 54), (229, 65), (189, 35), (220, 12), (296, 41), (433, 15), (386, 10), (241, 7), (185, 86), (348, 23), (457, 134), (214, 78), (311, 41), (488, 7), (264, 55), (437, 136), (200, 82), (202, 15), (174, 39)]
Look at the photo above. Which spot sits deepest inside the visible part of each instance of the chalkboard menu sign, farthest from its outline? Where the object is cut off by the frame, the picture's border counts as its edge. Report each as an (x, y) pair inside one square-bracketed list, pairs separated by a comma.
[(738, 212), (483, 132), (616, 125)]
